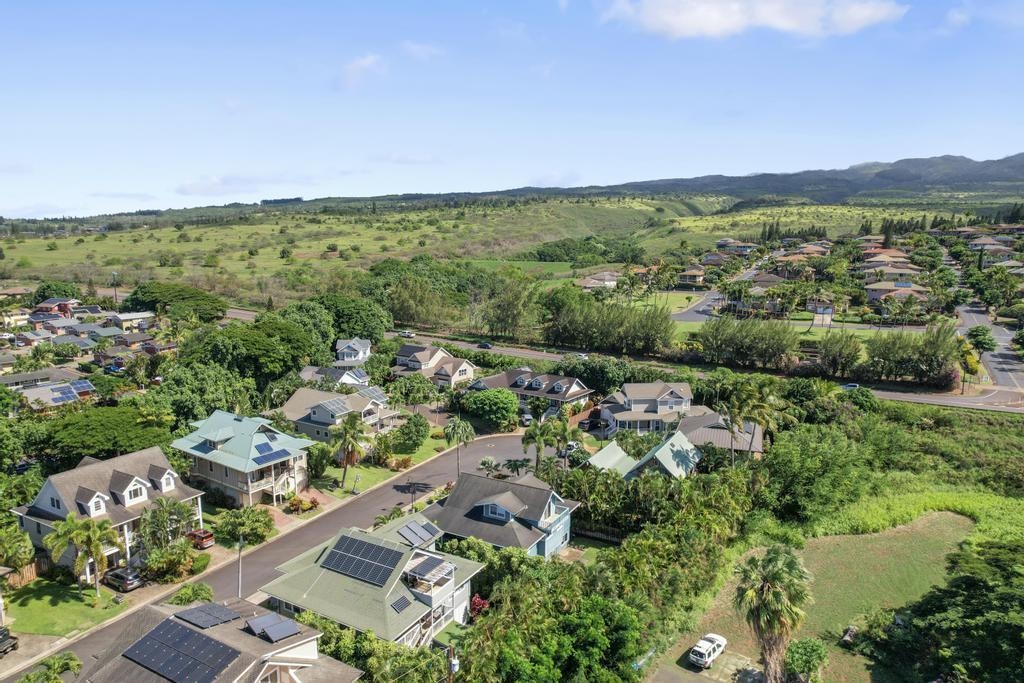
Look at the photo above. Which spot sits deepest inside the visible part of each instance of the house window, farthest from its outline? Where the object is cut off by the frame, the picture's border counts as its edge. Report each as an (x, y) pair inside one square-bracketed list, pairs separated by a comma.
[(97, 505), (496, 511), (317, 432), (135, 493), (210, 464), (21, 522), (462, 372), (55, 503), (168, 483), (39, 528), (225, 472)]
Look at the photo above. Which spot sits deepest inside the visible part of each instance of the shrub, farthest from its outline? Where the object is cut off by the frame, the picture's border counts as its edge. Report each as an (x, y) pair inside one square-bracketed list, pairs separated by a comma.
[(807, 656), (411, 435), (200, 564), (192, 592)]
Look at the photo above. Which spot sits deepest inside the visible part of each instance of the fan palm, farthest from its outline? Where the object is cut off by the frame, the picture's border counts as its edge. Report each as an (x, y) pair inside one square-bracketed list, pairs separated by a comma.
[(563, 433), (771, 593), (88, 537), (459, 432), (347, 440)]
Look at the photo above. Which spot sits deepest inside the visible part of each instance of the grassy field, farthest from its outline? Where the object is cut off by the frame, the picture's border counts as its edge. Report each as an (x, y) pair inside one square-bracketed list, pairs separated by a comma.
[(371, 475), (243, 260), (685, 328), (589, 546), (56, 609), (852, 575), (676, 301)]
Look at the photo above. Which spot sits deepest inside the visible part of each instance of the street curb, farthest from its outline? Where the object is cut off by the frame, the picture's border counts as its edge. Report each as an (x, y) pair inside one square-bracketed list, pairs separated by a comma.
[(63, 643)]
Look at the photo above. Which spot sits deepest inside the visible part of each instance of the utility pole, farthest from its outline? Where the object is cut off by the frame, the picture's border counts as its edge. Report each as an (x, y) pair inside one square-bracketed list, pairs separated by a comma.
[(453, 664), (241, 542)]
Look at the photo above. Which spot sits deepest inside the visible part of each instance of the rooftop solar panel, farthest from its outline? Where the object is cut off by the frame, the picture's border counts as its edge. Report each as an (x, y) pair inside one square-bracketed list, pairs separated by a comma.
[(271, 436), (426, 566), (409, 536), (263, 448), (281, 630), (400, 604), (273, 456), (208, 615), (431, 529), (418, 529), (82, 385), (359, 559), (180, 654), (260, 624)]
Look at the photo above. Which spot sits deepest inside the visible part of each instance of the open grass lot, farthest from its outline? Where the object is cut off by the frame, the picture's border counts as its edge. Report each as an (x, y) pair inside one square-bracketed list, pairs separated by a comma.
[(371, 475), (53, 608), (852, 575), (685, 328), (676, 301)]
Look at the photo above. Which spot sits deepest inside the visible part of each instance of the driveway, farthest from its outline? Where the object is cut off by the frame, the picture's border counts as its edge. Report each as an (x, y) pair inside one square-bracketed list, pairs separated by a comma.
[(730, 666), (1005, 366), (258, 566)]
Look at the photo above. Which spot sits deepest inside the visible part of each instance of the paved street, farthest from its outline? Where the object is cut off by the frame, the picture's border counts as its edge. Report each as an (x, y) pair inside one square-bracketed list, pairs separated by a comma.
[(258, 567), (1004, 365)]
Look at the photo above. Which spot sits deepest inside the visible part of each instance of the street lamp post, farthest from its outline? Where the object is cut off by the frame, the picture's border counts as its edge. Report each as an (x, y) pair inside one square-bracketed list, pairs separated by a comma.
[(241, 542)]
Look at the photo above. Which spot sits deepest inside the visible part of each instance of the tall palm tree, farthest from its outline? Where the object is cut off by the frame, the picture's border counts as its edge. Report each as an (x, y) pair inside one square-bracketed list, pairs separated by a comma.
[(53, 667), (459, 432), (540, 436), (563, 433), (771, 594), (88, 537), (347, 440)]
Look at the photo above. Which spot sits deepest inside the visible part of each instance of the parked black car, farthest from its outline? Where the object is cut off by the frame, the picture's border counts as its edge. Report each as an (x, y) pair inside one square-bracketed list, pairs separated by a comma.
[(123, 580)]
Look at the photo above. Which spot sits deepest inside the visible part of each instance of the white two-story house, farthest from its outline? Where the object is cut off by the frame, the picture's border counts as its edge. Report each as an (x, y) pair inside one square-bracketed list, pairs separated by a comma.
[(245, 458), (443, 369), (646, 407), (314, 413), (118, 489), (351, 353), (558, 390)]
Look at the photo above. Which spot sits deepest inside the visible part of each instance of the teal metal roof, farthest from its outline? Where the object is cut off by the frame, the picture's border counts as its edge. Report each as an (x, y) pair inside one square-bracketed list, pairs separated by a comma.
[(240, 443)]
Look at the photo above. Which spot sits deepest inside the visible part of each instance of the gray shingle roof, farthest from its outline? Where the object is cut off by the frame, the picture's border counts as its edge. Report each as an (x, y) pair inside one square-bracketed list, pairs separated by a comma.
[(571, 388), (712, 429)]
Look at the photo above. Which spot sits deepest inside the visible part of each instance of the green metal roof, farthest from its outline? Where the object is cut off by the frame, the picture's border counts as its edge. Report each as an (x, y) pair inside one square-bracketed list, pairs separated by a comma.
[(238, 442)]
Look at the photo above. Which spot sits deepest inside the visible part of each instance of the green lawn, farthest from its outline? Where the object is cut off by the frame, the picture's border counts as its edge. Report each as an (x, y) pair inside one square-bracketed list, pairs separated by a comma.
[(685, 328), (371, 475), (53, 608), (589, 546), (676, 301), (853, 575)]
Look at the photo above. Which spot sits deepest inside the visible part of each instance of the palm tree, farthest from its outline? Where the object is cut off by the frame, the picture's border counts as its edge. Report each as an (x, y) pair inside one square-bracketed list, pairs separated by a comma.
[(347, 439), (538, 435), (88, 537), (458, 432), (563, 433), (489, 466), (771, 594), (53, 667), (516, 465)]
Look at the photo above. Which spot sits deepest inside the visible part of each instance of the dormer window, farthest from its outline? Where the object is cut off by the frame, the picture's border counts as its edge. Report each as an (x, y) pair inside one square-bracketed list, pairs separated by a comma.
[(536, 384), (167, 483), (495, 511), (520, 381), (135, 493), (558, 387), (97, 506), (55, 503)]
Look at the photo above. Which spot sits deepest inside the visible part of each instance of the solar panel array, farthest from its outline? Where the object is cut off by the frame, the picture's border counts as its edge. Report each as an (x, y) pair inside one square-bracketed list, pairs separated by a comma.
[(81, 385), (362, 560), (426, 566), (263, 448), (272, 456), (62, 393), (431, 529), (208, 615), (400, 604), (273, 627), (180, 654), (416, 533)]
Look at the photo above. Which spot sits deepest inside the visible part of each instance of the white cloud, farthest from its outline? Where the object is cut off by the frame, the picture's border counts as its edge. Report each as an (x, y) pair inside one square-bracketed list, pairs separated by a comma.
[(421, 51), (958, 17), (722, 18), (140, 196), (359, 67)]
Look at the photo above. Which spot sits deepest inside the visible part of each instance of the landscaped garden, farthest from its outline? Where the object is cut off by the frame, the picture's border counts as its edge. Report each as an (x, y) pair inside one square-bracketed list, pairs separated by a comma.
[(57, 608)]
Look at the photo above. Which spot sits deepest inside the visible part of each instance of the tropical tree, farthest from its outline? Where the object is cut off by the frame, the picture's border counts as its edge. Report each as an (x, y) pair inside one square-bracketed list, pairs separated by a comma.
[(981, 338), (459, 432), (540, 436), (164, 522), (771, 594), (53, 667), (563, 434), (318, 458), (489, 466), (87, 537), (516, 465), (347, 441)]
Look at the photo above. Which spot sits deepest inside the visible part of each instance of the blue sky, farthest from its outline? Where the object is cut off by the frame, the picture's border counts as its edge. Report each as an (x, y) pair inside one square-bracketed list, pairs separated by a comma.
[(127, 105)]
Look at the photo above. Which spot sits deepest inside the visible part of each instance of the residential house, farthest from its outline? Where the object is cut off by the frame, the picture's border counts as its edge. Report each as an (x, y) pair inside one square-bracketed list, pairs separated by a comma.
[(37, 320), (891, 274), (116, 357), (738, 248), (812, 250), (878, 290), (391, 581), (645, 407), (59, 305), (353, 377), (442, 368), (982, 243), (99, 333), (132, 340), (82, 343), (231, 642), (15, 292), (604, 280), (152, 348), (707, 428), (715, 258), (46, 375), (32, 337), (526, 384), (44, 397), (675, 457), (518, 513), (117, 489), (315, 412), (7, 361), (132, 322), (693, 275), (89, 310), (245, 457), (351, 353), (16, 317), (766, 279), (59, 325)]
